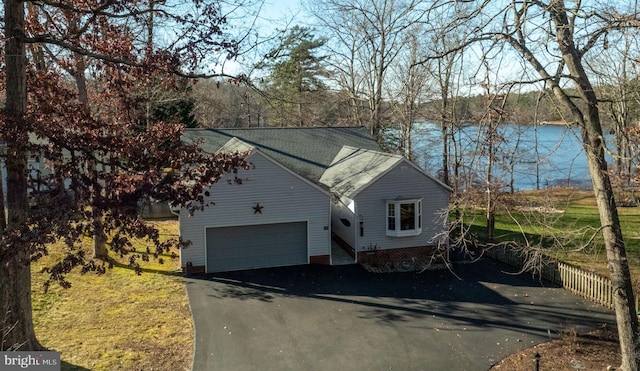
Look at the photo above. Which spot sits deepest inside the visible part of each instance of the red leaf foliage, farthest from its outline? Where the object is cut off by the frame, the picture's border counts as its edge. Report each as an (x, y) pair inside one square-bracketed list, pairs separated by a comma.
[(95, 160)]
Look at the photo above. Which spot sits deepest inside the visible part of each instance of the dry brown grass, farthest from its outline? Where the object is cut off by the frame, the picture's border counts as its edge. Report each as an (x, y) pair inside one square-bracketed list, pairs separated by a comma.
[(118, 321), (560, 196)]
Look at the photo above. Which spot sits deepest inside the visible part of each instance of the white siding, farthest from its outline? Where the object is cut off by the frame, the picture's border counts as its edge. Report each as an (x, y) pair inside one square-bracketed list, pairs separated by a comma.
[(403, 181), (35, 166), (284, 197)]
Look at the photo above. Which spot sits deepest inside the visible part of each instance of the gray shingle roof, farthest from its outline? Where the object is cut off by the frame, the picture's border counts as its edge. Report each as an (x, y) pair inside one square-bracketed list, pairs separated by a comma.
[(235, 145), (355, 168), (306, 151)]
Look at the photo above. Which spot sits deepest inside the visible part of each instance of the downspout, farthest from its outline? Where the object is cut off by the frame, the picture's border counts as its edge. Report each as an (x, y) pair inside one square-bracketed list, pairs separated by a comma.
[(176, 213), (357, 231), (330, 230)]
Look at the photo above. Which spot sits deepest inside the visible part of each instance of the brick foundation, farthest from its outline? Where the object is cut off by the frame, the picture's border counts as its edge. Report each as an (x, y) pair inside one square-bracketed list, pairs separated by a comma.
[(420, 254), (376, 257), (320, 259)]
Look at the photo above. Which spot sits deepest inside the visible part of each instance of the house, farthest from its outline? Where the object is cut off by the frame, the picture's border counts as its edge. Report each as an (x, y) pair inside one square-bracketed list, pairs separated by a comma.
[(385, 203), (38, 167), (305, 186)]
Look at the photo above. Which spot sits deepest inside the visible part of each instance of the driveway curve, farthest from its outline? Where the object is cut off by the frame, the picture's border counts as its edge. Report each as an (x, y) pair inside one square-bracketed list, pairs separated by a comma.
[(345, 318)]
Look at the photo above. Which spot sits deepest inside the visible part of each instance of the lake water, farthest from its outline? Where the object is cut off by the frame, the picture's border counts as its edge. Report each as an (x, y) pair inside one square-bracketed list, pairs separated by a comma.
[(559, 161)]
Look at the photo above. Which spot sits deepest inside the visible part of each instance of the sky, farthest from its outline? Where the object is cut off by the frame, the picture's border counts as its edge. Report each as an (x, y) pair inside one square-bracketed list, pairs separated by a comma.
[(276, 12), (273, 16)]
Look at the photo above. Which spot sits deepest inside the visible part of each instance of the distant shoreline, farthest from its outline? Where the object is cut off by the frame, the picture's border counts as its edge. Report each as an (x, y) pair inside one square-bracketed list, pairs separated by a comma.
[(472, 123)]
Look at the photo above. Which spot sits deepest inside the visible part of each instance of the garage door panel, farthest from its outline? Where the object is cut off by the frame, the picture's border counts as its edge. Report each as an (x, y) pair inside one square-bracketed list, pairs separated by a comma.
[(256, 246)]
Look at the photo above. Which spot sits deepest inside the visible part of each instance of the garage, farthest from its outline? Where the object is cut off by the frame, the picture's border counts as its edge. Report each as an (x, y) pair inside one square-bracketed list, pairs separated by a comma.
[(256, 246)]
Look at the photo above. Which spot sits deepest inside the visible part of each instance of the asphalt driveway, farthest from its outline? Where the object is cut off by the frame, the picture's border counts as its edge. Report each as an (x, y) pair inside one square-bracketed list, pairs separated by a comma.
[(344, 318)]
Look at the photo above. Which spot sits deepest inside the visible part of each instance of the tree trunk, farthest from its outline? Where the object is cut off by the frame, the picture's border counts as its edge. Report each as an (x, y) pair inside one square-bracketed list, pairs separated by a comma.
[(3, 216), (490, 214), (490, 186), (593, 143), (16, 326), (456, 171), (17, 332), (618, 265), (99, 239), (444, 126)]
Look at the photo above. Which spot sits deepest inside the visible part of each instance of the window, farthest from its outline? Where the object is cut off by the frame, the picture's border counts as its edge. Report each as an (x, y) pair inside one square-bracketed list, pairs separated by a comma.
[(404, 218)]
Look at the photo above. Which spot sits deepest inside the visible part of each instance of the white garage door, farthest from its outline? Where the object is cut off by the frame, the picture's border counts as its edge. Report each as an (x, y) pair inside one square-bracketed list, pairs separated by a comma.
[(256, 246)]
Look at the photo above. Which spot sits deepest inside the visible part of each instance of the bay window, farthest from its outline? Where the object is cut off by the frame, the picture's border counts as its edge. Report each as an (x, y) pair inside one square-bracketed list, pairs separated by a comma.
[(404, 218)]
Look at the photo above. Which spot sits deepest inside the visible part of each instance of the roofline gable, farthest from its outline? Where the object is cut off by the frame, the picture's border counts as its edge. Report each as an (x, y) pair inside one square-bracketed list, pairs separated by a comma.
[(399, 161), (357, 191), (438, 181), (237, 145), (256, 151)]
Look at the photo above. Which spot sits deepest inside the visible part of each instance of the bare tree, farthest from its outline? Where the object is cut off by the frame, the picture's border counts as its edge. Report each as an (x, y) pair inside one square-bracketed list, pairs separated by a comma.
[(344, 45), (369, 35), (448, 119), (616, 73), (223, 104), (556, 39), (447, 74), (409, 90)]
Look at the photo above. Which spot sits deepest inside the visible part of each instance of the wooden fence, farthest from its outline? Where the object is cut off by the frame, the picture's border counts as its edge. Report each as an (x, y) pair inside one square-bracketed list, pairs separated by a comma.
[(589, 285)]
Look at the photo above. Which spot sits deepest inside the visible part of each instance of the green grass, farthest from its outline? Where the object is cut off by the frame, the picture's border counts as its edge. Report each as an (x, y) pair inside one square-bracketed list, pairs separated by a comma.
[(119, 320), (567, 235)]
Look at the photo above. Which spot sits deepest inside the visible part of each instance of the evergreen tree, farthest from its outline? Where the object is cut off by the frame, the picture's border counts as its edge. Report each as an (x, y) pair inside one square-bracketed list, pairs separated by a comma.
[(295, 73)]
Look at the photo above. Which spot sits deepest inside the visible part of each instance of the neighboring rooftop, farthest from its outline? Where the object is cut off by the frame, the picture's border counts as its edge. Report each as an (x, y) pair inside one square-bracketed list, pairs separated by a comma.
[(307, 151)]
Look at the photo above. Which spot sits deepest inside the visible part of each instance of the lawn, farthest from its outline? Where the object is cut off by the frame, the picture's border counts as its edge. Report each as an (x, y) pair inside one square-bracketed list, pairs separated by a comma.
[(565, 216), (596, 350), (119, 320)]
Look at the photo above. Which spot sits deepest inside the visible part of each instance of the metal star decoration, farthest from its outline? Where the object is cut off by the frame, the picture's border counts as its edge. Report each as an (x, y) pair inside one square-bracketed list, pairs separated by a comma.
[(258, 209)]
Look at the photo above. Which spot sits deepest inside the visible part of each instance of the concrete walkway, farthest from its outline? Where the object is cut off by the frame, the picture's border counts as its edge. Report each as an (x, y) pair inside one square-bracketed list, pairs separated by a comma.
[(339, 256), (344, 318)]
